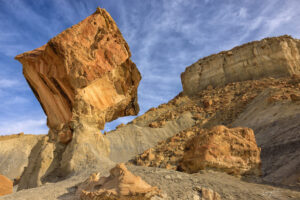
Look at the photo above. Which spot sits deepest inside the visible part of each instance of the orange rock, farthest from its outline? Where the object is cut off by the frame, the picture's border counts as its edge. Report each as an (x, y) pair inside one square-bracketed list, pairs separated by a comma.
[(207, 103), (230, 150), (65, 136), (209, 194), (6, 186), (85, 72), (121, 184)]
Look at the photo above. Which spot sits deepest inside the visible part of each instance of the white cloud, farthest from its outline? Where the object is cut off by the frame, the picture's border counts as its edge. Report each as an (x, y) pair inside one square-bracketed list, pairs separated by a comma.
[(28, 126), (6, 83)]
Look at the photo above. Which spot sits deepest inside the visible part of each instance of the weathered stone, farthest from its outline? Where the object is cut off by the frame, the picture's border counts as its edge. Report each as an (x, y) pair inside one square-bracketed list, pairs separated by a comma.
[(209, 194), (82, 77), (270, 57), (6, 186), (84, 73), (121, 184), (295, 97), (230, 150)]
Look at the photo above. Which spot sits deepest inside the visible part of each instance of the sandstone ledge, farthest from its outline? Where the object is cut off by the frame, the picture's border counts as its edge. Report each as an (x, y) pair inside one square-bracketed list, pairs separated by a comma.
[(271, 57)]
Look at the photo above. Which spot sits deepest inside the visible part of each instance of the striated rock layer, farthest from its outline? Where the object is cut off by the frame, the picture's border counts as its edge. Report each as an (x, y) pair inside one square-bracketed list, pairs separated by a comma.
[(84, 73), (271, 57), (82, 77)]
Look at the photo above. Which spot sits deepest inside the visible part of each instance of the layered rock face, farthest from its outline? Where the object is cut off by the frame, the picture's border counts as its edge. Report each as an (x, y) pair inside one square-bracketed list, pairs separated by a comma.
[(84, 73), (121, 184), (6, 186), (271, 57), (82, 77)]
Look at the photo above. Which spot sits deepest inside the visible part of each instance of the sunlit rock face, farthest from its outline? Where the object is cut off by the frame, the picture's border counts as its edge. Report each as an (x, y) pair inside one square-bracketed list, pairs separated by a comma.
[(271, 57), (82, 77), (84, 73)]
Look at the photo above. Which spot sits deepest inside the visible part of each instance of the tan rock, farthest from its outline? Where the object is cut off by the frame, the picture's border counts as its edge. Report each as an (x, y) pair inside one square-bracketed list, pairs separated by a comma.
[(121, 184), (276, 57), (6, 186), (84, 72), (230, 150), (83, 77), (209, 194)]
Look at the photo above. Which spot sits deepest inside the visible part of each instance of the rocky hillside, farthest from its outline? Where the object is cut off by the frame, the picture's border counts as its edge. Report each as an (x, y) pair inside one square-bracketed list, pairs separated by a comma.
[(232, 133)]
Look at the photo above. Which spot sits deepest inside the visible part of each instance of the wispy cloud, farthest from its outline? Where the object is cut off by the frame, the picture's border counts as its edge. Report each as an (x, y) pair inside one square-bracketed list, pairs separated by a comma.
[(164, 37), (5, 83), (28, 126)]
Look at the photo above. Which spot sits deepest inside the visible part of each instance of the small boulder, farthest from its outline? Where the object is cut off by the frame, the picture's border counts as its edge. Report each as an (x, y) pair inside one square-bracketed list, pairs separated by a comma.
[(121, 184), (6, 186)]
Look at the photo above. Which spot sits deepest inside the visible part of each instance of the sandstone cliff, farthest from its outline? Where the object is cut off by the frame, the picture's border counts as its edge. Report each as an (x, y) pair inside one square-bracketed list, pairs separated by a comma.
[(271, 57)]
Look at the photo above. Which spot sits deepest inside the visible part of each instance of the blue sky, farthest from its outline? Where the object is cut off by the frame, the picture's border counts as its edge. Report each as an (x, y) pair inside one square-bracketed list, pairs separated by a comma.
[(165, 36)]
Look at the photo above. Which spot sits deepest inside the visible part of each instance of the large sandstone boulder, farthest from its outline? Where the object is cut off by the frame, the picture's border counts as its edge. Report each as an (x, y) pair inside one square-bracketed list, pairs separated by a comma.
[(6, 186), (229, 150), (82, 77), (121, 184), (84, 73), (222, 149), (270, 57)]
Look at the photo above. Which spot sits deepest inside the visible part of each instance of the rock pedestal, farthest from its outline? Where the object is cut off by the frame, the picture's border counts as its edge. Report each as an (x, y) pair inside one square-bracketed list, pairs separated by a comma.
[(82, 77)]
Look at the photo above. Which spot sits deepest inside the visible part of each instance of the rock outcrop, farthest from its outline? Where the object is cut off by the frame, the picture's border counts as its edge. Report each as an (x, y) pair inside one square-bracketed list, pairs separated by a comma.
[(233, 151), (271, 57), (6, 186), (229, 150), (121, 184), (83, 74), (82, 77), (14, 153)]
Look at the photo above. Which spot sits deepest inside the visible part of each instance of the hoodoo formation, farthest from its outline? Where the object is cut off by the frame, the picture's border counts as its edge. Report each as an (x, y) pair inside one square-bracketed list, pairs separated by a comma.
[(82, 77), (83, 74)]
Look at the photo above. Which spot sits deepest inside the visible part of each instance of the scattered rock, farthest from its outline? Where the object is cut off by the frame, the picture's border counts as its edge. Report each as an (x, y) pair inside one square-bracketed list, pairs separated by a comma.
[(121, 184), (230, 150), (207, 103), (208, 194), (6, 186)]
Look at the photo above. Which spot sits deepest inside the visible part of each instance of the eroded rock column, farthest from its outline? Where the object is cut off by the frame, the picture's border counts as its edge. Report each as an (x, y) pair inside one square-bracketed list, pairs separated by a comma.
[(82, 77)]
